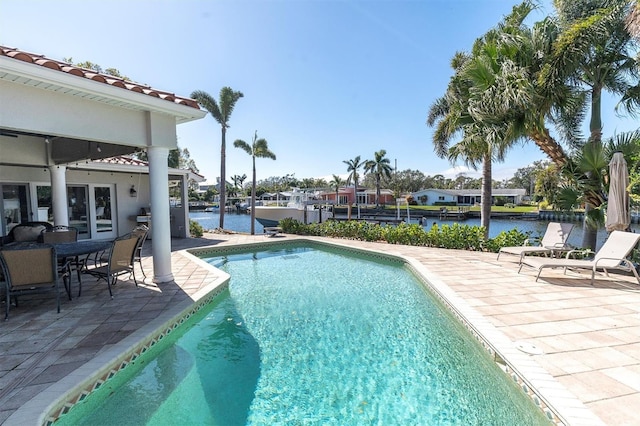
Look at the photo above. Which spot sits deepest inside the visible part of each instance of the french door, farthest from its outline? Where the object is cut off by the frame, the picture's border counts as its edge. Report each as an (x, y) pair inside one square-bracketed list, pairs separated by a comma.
[(14, 203)]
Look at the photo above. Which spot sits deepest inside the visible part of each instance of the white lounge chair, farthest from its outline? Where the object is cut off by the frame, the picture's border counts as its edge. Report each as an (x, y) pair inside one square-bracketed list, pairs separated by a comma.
[(554, 238), (611, 256)]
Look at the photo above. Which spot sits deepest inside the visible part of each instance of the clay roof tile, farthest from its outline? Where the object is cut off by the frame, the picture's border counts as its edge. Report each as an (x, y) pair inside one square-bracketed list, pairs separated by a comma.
[(92, 75)]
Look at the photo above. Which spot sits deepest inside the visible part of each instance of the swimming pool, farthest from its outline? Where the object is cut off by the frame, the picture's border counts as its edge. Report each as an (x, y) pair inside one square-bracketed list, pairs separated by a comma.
[(309, 335)]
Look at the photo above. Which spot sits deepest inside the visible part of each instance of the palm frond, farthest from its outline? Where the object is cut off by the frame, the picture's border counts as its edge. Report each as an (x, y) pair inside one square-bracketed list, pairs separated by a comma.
[(261, 149), (439, 109), (228, 99), (208, 103), (239, 143)]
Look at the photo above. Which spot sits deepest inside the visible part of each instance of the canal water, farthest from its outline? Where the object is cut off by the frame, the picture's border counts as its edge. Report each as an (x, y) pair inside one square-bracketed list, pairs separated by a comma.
[(241, 222)]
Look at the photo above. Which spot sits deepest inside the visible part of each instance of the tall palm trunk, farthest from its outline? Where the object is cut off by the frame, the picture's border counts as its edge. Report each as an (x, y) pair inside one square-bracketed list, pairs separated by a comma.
[(485, 209), (223, 177), (253, 199), (590, 233), (355, 193), (549, 146)]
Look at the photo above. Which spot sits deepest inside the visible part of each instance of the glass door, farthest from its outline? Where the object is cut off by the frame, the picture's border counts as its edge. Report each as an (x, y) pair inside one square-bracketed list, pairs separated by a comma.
[(104, 208), (77, 202), (45, 204), (14, 205)]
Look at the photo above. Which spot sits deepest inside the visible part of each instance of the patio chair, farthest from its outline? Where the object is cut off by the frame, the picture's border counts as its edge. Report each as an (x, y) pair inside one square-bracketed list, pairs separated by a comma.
[(120, 262), (141, 231), (611, 256), (26, 232), (553, 240), (30, 268), (65, 234)]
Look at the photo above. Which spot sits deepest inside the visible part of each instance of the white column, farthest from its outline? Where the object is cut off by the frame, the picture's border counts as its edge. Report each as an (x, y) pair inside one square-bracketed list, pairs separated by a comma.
[(160, 225), (184, 233), (59, 195)]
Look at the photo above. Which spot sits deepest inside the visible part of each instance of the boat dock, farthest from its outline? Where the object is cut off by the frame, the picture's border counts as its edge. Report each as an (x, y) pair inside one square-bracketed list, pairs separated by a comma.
[(457, 214), (380, 220)]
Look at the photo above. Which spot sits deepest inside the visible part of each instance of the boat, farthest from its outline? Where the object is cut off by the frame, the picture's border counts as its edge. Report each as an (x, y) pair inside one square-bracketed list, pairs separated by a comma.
[(300, 207), (212, 209), (242, 207)]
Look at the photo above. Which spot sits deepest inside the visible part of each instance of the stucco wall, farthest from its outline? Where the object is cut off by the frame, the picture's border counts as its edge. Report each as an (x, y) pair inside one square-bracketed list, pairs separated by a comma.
[(58, 114)]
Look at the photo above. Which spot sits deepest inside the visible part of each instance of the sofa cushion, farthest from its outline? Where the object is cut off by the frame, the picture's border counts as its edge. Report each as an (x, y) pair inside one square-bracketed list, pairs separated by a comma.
[(27, 233)]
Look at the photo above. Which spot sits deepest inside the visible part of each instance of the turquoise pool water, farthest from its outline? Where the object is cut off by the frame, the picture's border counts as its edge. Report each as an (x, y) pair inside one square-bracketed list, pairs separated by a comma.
[(311, 336)]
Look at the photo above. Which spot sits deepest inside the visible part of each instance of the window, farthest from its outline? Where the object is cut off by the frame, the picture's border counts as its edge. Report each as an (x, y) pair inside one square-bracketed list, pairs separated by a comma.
[(104, 222)]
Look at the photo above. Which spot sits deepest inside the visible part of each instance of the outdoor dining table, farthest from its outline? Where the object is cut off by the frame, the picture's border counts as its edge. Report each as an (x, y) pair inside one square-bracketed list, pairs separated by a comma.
[(75, 249), (80, 248), (70, 249)]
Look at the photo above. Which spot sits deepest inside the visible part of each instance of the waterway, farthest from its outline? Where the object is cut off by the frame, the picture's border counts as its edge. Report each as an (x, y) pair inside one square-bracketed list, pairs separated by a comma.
[(241, 222)]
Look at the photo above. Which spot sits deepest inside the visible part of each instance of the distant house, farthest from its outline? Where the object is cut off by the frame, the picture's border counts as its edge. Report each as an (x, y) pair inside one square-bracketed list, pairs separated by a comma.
[(347, 195), (465, 197)]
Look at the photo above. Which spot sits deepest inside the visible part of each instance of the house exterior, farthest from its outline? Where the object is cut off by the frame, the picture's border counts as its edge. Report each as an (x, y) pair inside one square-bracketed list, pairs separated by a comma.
[(464, 197), (58, 124), (347, 195)]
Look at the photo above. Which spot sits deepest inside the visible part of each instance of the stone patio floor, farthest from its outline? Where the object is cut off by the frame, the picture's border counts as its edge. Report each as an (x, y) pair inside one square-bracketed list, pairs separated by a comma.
[(589, 335)]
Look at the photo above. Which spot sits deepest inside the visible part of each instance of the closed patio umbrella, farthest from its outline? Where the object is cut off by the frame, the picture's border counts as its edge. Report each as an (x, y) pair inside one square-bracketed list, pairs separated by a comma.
[(618, 216)]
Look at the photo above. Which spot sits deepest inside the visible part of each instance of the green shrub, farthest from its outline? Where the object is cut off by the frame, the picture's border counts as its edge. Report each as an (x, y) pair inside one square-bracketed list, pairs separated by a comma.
[(455, 236), (195, 229), (507, 239)]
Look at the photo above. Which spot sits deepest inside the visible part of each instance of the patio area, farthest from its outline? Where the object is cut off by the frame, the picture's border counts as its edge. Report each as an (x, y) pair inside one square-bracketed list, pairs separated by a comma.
[(589, 336)]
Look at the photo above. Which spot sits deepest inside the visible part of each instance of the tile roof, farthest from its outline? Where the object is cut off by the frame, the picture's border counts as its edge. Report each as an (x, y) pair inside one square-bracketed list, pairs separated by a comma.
[(92, 75), (126, 160)]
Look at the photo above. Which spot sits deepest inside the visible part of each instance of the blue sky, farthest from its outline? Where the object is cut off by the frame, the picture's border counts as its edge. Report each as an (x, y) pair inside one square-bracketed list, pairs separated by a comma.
[(323, 81)]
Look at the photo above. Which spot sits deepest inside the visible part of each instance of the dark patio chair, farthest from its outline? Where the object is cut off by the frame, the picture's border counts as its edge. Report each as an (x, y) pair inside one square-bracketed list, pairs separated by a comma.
[(30, 268), (65, 234), (141, 231), (26, 232), (120, 262)]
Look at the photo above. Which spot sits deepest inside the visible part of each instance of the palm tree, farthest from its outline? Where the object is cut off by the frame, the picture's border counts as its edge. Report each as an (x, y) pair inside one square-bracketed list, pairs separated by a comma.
[(595, 53), (587, 174), (352, 167), (221, 111), (475, 107), (335, 183), (258, 149), (238, 181), (379, 167), (308, 183), (241, 180)]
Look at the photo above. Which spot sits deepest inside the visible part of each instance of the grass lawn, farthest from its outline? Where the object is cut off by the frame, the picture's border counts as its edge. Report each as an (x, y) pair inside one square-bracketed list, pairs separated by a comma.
[(497, 209)]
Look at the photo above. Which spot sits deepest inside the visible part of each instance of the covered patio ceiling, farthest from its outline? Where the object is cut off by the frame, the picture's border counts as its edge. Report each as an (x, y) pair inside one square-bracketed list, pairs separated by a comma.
[(64, 150)]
